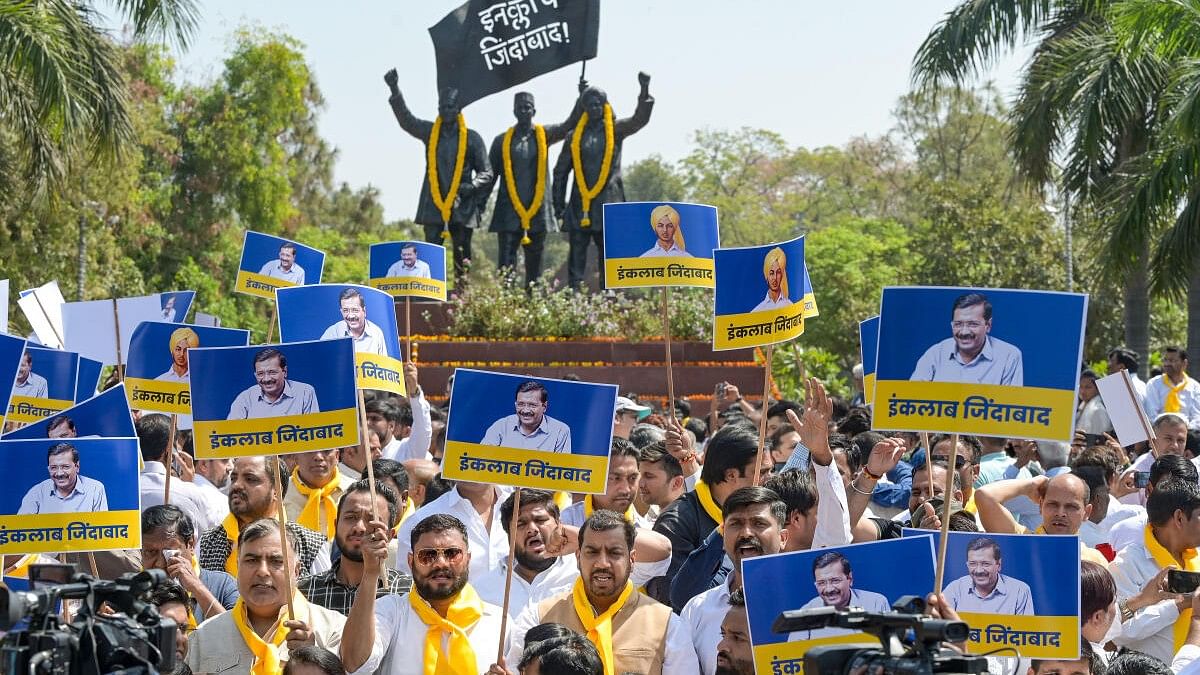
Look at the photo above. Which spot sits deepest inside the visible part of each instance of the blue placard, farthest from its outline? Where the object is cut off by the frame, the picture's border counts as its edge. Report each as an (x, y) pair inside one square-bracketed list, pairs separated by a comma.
[(106, 414), (760, 295), (659, 244), (88, 382), (271, 399), (409, 268), (12, 350), (69, 494), (868, 349), (993, 362), (860, 575), (175, 305), (488, 437), (157, 376), (45, 384), (269, 262), (1009, 587)]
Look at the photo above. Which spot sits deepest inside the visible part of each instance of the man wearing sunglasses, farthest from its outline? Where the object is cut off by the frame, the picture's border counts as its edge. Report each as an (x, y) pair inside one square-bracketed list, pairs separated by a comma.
[(442, 623)]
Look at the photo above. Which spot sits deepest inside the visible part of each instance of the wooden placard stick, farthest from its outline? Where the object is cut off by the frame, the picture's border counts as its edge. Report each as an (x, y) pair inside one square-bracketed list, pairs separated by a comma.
[(948, 498), (666, 317), (769, 353), (512, 553), (283, 538)]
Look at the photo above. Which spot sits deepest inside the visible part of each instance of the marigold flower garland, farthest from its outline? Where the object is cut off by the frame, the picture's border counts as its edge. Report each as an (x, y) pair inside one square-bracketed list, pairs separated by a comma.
[(445, 204), (587, 194), (539, 188)]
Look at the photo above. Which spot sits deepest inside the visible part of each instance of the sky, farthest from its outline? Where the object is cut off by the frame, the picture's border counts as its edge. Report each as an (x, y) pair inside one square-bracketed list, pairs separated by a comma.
[(817, 72)]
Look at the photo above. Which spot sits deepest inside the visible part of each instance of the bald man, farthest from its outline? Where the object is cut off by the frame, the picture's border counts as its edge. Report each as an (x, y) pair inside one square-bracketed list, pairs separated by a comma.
[(1064, 501), (182, 339)]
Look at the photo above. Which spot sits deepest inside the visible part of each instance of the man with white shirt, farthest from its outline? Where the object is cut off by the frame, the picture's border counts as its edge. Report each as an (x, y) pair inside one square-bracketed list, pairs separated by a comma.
[(477, 506), (409, 265), (1120, 359), (182, 339), (775, 273), (442, 624), (212, 476), (367, 335), (404, 433), (620, 489), (29, 383), (154, 433), (1170, 438), (664, 220), (285, 267), (1129, 530), (1174, 391), (1092, 417)]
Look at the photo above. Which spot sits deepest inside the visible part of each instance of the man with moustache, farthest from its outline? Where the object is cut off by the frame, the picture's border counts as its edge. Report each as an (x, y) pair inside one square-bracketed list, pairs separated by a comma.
[(441, 625), (1064, 501), (65, 491), (285, 266), (984, 589), (632, 632), (661, 481), (530, 428), (168, 544), (970, 354), (620, 489), (257, 634), (735, 653), (251, 497), (29, 383), (274, 395), (337, 587), (316, 485), (352, 461), (409, 265), (367, 335), (1174, 391), (833, 578)]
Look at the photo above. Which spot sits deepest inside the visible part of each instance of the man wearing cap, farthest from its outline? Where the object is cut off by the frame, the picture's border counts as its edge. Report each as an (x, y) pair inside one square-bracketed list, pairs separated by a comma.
[(182, 339), (628, 414)]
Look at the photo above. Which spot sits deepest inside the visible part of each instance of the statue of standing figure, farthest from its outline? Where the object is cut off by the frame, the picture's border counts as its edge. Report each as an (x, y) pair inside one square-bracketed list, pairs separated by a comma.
[(592, 154), (457, 173)]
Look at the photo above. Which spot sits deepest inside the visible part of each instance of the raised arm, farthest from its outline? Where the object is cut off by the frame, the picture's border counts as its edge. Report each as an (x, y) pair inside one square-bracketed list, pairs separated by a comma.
[(641, 115), (833, 526), (414, 126), (883, 458), (990, 499), (558, 132)]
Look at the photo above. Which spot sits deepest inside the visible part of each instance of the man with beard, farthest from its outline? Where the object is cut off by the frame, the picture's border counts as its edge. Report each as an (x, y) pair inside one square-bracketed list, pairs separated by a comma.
[(440, 626), (753, 525), (970, 354), (212, 476), (337, 587), (735, 653), (273, 395), (317, 484), (1064, 500), (65, 491), (621, 488), (367, 335), (251, 497), (257, 634), (632, 632)]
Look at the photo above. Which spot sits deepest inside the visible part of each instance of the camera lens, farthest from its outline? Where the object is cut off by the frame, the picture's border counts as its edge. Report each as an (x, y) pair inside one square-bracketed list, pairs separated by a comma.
[(956, 631)]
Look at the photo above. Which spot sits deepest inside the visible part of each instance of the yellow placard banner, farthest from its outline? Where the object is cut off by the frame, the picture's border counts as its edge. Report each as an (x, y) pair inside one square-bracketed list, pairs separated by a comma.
[(755, 329), (372, 371), (258, 284), (665, 271), (525, 468), (28, 409), (809, 302), (1035, 637), (217, 439), (985, 409), (869, 388), (787, 658), (159, 396), (60, 532), (417, 287)]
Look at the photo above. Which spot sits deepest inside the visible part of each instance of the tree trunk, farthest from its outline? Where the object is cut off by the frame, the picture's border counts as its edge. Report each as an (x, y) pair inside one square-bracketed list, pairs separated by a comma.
[(1137, 312), (1193, 321)]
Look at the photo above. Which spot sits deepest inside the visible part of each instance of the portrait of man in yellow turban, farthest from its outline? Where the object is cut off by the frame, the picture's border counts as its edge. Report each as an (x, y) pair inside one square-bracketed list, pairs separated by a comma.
[(664, 220), (182, 339), (775, 273)]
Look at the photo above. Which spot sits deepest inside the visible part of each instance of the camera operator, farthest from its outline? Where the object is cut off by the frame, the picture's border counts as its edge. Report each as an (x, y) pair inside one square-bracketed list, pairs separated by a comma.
[(172, 603)]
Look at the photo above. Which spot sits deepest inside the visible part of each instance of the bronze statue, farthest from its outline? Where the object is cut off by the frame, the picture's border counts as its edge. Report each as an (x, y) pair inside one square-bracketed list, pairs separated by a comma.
[(593, 149), (453, 193), (520, 164)]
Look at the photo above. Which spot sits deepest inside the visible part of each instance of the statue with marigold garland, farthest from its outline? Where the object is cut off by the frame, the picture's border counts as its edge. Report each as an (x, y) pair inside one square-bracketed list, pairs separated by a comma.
[(592, 154), (520, 160), (457, 173)]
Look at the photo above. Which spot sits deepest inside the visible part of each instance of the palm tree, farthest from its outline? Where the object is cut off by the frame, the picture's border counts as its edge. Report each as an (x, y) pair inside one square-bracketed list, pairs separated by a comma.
[(61, 91), (1085, 96)]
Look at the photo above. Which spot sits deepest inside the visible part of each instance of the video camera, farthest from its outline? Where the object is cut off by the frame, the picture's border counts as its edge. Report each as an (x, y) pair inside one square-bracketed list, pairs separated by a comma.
[(133, 640), (912, 642)]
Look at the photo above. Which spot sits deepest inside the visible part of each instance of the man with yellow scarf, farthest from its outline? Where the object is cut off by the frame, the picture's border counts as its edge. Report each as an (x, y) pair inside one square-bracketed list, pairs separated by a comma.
[(1174, 391), (632, 632), (1065, 502), (316, 486), (441, 627), (1169, 540), (254, 637)]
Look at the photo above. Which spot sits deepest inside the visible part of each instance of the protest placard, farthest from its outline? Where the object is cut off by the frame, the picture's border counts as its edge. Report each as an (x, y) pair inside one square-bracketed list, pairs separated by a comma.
[(858, 575), (12, 352), (84, 498), (101, 329), (365, 315), (868, 347), (273, 399), (408, 269), (45, 384), (659, 244), (106, 414), (982, 361), (1016, 591), (529, 431), (157, 376), (809, 299), (270, 262), (42, 307), (1128, 418), (88, 382), (760, 292)]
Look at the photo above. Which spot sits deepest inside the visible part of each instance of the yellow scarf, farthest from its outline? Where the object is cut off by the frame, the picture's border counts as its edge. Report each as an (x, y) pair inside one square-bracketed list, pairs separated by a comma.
[(310, 516), (1172, 402), (1191, 563), (706, 500), (588, 508), (464, 611), (562, 500), (539, 187), (266, 655), (445, 204), (599, 628), (231, 532), (586, 193), (409, 507)]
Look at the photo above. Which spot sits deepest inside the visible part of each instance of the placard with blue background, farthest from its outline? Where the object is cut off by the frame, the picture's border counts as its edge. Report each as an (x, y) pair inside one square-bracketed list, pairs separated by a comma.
[(760, 292), (259, 271), (426, 279), (49, 388), (153, 378), (634, 257), (106, 414)]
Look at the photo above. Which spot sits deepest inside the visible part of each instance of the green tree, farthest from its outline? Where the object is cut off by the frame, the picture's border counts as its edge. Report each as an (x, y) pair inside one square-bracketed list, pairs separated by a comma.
[(653, 180)]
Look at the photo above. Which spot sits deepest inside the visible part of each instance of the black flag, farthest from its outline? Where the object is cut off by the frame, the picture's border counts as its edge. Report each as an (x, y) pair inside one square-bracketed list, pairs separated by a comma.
[(486, 46)]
